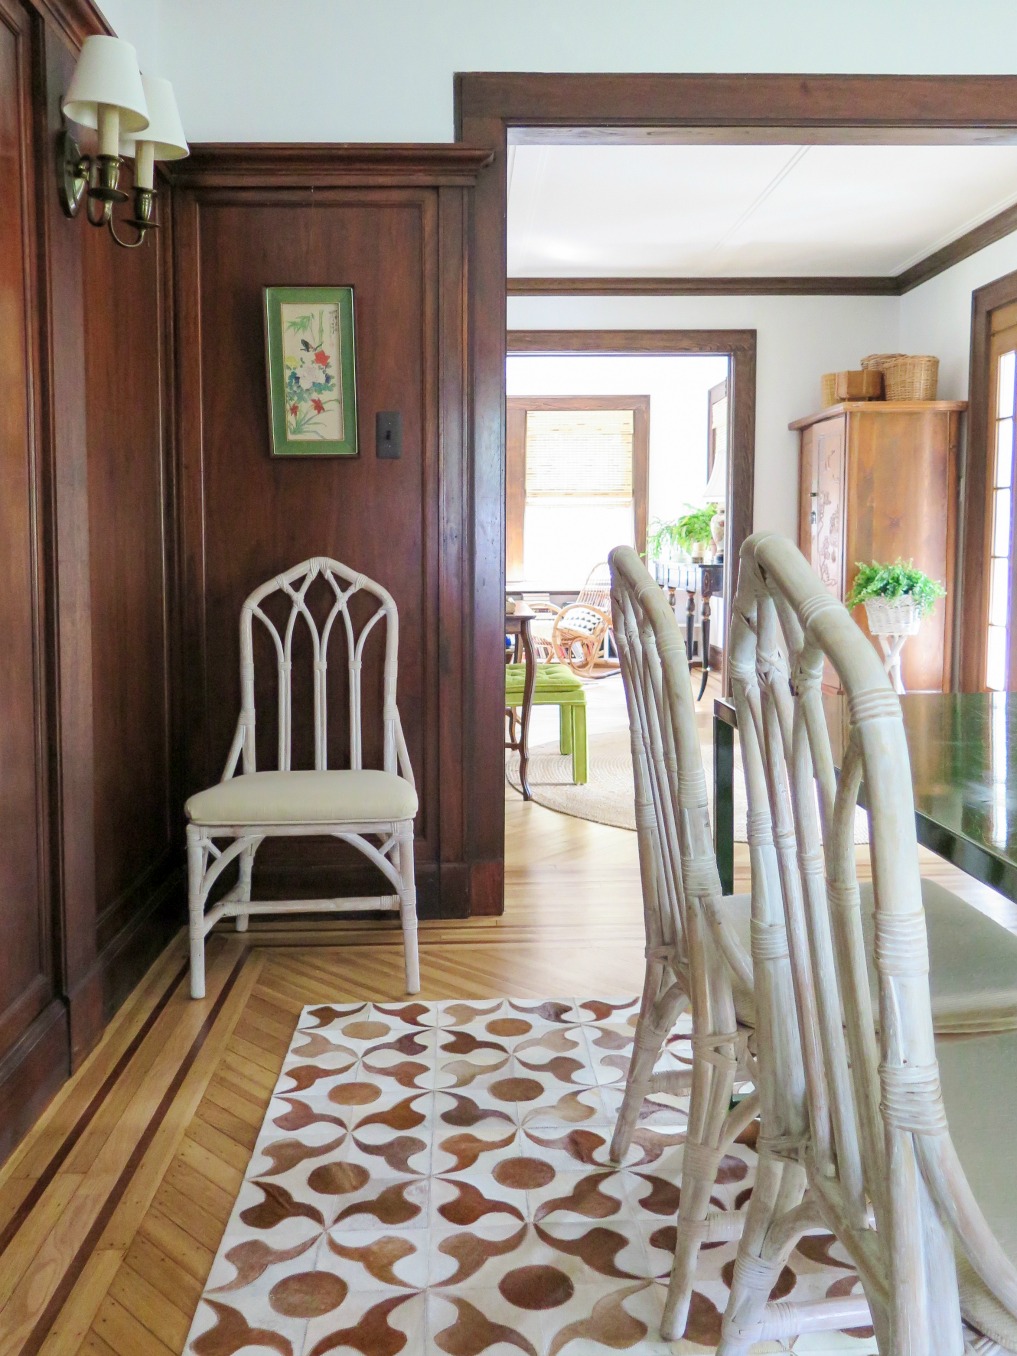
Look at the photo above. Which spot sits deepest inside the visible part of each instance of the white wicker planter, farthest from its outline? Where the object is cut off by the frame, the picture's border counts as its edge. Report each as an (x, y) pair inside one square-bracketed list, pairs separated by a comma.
[(891, 623), (892, 619)]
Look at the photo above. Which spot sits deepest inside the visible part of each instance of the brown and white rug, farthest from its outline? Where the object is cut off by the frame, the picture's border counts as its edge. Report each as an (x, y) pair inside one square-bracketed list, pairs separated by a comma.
[(432, 1179)]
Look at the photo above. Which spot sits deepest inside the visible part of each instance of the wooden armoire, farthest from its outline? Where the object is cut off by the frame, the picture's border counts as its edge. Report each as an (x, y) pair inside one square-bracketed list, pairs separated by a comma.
[(878, 480)]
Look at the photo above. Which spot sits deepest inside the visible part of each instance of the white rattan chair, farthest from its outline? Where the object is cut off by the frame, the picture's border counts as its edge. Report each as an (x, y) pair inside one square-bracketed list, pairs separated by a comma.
[(896, 1140), (581, 635), (696, 940), (354, 803)]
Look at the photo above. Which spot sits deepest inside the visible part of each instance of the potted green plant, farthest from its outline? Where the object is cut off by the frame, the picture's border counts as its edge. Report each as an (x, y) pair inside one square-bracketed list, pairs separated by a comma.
[(896, 597), (691, 533)]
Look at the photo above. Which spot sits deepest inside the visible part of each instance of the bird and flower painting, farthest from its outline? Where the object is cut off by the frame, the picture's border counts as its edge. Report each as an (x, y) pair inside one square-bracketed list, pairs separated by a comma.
[(311, 373)]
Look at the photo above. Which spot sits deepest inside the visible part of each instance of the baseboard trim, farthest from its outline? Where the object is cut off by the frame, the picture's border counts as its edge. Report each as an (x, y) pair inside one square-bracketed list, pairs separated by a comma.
[(32, 1072)]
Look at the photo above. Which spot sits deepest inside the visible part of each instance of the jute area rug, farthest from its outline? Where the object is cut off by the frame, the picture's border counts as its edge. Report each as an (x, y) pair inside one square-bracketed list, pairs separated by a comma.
[(608, 796), (433, 1178)]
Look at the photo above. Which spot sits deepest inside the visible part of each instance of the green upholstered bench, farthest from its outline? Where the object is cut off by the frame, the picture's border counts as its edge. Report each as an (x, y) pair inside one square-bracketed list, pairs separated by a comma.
[(556, 685)]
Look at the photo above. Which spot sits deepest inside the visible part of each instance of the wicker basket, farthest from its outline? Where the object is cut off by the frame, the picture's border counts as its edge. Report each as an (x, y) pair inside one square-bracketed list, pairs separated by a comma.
[(828, 389), (911, 377), (880, 360), (892, 619)]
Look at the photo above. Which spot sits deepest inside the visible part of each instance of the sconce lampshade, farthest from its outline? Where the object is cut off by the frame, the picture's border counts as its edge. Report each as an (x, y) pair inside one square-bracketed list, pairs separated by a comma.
[(165, 130), (107, 74)]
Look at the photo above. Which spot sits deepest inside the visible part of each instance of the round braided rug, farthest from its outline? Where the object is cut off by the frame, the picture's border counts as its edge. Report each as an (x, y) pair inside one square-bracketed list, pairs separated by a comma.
[(608, 796)]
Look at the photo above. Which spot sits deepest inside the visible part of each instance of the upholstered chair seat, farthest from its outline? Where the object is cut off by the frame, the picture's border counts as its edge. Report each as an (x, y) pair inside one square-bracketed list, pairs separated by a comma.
[(308, 797), (972, 962)]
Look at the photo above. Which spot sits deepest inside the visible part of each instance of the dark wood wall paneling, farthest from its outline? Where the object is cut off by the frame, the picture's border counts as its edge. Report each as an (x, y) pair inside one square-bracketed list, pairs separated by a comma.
[(88, 859), (390, 222)]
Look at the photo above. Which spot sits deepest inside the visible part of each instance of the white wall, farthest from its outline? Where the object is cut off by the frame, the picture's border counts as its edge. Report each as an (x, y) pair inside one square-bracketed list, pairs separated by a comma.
[(381, 70), (936, 317), (677, 387), (138, 22), (798, 339)]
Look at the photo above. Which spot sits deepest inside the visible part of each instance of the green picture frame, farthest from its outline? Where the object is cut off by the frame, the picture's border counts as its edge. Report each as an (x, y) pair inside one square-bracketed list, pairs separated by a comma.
[(311, 367)]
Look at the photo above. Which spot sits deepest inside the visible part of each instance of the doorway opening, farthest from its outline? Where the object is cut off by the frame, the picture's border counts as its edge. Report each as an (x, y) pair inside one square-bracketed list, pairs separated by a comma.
[(500, 110), (676, 400)]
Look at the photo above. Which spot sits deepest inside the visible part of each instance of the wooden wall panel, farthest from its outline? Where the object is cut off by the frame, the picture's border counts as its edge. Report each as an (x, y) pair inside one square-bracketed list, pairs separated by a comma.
[(88, 859), (28, 979), (247, 515), (134, 821)]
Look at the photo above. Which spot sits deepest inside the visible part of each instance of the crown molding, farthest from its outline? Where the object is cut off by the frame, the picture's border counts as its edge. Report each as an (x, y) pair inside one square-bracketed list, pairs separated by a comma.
[(329, 164), (703, 287), (75, 19)]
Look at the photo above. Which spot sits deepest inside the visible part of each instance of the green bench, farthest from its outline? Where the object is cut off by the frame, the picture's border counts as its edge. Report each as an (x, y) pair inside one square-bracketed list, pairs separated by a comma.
[(556, 685)]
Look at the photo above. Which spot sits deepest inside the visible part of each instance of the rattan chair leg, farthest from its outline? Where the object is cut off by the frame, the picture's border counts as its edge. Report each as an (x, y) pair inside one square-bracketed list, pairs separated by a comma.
[(408, 908), (662, 1004), (713, 1082), (195, 911), (779, 1188)]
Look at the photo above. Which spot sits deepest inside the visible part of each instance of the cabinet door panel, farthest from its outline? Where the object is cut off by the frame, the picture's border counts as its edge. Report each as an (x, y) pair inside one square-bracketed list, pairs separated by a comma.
[(828, 529)]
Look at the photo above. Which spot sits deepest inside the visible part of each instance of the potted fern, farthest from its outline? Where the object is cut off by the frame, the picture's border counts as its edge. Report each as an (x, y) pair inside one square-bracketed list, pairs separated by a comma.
[(690, 533), (896, 596)]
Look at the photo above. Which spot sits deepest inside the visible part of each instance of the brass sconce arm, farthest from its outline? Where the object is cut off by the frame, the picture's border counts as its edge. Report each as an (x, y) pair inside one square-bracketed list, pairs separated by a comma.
[(96, 180)]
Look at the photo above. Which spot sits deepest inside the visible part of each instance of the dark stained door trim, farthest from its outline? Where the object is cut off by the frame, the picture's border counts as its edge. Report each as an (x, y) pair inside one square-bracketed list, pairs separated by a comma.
[(639, 109), (973, 574), (739, 344)]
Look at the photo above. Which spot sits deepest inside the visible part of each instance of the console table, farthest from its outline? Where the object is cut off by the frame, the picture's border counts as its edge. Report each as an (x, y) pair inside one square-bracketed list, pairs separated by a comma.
[(705, 582)]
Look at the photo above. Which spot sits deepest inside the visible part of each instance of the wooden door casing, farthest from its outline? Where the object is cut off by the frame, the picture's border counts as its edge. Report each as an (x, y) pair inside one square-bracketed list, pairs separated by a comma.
[(973, 609)]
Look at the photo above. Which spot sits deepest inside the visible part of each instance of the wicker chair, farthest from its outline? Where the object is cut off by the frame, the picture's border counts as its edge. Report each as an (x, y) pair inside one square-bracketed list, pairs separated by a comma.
[(696, 940), (581, 635), (355, 804), (896, 1140)]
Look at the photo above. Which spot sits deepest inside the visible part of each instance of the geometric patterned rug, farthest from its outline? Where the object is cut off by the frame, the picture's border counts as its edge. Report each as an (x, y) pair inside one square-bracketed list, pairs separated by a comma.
[(432, 1179)]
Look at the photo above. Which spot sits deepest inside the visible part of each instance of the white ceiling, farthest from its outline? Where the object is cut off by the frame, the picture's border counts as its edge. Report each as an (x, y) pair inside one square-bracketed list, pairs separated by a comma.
[(746, 211)]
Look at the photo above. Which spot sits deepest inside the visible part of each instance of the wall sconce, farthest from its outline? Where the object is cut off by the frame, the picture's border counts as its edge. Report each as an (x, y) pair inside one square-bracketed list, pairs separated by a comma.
[(135, 115)]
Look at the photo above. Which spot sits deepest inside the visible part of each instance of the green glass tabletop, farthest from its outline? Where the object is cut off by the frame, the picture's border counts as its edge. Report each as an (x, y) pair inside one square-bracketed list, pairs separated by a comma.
[(963, 748)]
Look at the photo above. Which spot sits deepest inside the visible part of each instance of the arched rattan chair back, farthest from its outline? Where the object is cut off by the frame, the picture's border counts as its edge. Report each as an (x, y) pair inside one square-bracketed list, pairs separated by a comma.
[(345, 586), (677, 860), (856, 1089)]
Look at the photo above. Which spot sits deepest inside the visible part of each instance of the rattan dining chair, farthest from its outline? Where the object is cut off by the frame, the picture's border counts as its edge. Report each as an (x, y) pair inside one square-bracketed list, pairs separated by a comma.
[(696, 940), (894, 1138), (354, 803)]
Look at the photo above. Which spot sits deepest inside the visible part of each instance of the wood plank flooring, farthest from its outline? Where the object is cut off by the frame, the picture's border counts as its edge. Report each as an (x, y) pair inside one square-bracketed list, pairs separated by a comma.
[(112, 1209)]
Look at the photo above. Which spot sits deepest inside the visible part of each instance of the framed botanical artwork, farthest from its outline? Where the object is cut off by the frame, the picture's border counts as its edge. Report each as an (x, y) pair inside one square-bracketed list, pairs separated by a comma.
[(312, 393)]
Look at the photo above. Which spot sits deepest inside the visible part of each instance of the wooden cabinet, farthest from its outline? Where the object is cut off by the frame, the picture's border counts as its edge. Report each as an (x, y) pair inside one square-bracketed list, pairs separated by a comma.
[(878, 479)]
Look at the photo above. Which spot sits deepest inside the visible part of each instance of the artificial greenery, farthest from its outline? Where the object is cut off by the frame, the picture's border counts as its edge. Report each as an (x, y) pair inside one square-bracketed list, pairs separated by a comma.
[(690, 530), (895, 583)]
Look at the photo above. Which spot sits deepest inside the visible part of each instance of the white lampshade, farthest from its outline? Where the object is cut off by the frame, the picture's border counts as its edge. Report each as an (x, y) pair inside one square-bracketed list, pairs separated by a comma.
[(107, 75), (716, 486), (165, 130)]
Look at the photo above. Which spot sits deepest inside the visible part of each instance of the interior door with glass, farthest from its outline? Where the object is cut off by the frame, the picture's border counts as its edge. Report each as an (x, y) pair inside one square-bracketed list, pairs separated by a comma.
[(1001, 630)]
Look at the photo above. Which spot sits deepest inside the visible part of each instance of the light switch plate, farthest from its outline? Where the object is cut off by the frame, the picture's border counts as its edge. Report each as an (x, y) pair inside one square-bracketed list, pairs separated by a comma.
[(388, 433)]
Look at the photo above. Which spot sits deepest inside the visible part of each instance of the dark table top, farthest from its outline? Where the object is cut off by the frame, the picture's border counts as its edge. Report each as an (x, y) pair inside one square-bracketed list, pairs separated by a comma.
[(963, 748)]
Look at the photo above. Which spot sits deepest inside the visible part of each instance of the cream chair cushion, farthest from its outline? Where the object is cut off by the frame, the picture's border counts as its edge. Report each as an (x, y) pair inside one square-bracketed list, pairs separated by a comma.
[(304, 798), (972, 961), (979, 1078)]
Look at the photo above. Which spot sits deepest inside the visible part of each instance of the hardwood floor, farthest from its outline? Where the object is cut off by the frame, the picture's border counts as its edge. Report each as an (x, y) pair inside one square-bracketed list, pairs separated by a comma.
[(112, 1209)]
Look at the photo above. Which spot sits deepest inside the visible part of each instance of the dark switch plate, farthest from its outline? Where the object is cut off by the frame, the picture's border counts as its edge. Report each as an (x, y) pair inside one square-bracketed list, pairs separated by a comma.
[(388, 433)]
